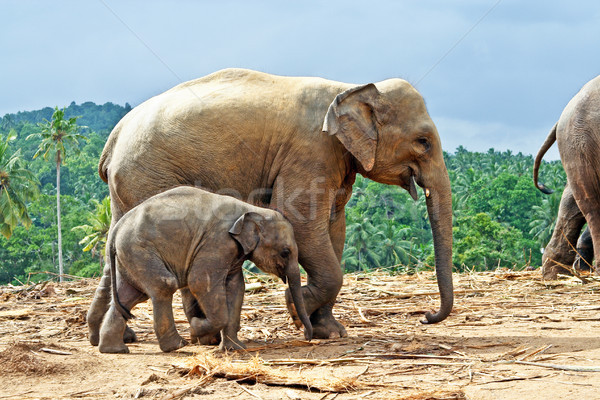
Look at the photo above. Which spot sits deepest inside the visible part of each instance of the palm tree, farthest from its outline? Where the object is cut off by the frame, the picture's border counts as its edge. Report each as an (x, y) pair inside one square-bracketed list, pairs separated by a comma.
[(544, 218), (17, 185), (361, 239), (56, 136), (396, 248), (97, 230)]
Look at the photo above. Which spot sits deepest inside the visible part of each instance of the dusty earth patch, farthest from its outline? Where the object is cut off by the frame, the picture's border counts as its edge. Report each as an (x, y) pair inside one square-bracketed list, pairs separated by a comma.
[(511, 336)]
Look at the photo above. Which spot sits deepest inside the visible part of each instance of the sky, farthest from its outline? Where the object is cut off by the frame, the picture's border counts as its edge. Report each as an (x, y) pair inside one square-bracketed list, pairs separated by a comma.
[(494, 73)]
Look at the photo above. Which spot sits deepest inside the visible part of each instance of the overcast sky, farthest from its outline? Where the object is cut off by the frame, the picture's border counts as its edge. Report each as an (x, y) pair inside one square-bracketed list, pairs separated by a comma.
[(493, 73)]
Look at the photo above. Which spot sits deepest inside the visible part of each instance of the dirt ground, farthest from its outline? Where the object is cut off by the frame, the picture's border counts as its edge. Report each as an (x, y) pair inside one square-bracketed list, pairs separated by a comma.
[(511, 336)]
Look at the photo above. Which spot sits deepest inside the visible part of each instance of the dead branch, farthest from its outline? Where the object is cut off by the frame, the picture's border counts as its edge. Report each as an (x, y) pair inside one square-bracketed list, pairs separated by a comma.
[(560, 367)]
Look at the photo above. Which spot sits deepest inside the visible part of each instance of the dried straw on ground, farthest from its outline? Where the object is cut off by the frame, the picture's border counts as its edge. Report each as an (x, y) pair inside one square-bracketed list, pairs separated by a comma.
[(206, 366), (512, 335)]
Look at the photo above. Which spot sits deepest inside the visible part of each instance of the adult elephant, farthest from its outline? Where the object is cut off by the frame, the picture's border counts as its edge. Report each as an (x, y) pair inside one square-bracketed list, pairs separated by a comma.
[(577, 134), (290, 143)]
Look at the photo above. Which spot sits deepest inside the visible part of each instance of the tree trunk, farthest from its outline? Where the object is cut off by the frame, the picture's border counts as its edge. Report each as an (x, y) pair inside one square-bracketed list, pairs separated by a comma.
[(60, 258)]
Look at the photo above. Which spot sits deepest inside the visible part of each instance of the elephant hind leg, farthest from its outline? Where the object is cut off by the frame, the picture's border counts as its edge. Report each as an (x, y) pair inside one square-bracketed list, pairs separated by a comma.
[(162, 286), (585, 252), (99, 307), (586, 192), (593, 218), (111, 335), (559, 254), (102, 298)]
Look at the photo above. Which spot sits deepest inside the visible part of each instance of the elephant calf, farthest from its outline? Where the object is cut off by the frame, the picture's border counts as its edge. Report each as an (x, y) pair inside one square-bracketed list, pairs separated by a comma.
[(189, 238)]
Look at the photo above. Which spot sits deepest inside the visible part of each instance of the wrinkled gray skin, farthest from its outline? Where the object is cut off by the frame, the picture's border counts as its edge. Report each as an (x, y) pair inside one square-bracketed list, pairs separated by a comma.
[(577, 134), (585, 252), (559, 256), (294, 144), (189, 238)]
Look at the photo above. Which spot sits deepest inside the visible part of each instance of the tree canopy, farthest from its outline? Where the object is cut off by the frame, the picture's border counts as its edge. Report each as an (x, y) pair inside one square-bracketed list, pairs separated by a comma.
[(81, 190), (17, 185), (500, 218)]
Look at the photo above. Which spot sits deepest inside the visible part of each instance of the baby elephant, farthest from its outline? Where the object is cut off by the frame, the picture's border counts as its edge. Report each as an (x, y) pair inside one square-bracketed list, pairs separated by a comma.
[(189, 238)]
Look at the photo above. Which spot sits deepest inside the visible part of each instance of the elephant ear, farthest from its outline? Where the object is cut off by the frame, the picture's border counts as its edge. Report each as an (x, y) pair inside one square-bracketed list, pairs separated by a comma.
[(245, 231), (351, 117)]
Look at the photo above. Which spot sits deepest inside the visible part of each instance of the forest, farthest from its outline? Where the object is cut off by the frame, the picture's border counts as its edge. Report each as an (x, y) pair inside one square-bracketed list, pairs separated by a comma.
[(500, 218)]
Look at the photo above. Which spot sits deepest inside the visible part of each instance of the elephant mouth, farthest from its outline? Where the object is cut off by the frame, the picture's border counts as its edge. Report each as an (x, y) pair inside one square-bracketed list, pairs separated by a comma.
[(282, 275), (410, 183), (407, 180)]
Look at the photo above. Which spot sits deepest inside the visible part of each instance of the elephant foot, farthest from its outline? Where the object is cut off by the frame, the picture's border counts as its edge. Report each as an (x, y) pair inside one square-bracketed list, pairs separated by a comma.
[(113, 348), (202, 332), (129, 335), (206, 340), (94, 321), (550, 271), (231, 344), (323, 322), (172, 343), (94, 338), (328, 329)]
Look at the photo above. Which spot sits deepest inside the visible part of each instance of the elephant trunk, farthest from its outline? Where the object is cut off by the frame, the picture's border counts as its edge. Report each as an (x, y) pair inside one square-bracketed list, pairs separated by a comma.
[(439, 208), (292, 273)]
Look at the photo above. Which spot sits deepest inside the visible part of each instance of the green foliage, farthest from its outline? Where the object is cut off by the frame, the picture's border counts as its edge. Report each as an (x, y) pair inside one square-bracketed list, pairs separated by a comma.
[(57, 135), (35, 249), (17, 185), (543, 219), (96, 233), (500, 218), (96, 230), (385, 228), (481, 243), (82, 190)]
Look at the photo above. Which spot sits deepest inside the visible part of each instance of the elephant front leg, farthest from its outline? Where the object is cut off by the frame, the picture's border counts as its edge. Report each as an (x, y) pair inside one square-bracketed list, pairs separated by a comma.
[(325, 277), (235, 297), (164, 323), (310, 214), (192, 310), (337, 233), (207, 283)]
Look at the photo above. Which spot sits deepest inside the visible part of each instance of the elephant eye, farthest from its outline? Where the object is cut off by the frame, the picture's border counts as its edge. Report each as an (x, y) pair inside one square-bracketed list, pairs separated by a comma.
[(424, 142), (285, 253)]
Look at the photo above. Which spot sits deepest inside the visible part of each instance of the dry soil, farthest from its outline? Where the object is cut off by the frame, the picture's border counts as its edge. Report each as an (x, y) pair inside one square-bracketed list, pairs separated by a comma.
[(511, 336)]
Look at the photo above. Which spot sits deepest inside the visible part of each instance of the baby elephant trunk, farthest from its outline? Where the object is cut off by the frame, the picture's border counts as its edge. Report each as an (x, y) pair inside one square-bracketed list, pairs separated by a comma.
[(292, 273)]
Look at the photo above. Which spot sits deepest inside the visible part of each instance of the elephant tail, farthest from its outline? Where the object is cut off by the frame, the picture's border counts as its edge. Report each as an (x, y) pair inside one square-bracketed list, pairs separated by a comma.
[(113, 276), (538, 160)]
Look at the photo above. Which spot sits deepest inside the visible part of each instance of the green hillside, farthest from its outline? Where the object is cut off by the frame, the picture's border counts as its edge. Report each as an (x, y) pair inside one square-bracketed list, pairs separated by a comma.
[(500, 219), (35, 249)]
